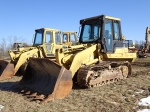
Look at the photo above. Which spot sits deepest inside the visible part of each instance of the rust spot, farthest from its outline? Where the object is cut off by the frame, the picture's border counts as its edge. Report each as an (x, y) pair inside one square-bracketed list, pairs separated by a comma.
[(6, 70)]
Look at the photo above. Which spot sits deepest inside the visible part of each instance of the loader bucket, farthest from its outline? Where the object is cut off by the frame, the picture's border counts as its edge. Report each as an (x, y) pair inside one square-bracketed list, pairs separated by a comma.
[(45, 80), (6, 70)]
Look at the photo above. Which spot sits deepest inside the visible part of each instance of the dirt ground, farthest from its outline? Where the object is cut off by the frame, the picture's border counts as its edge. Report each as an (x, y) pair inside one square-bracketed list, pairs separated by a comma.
[(122, 96)]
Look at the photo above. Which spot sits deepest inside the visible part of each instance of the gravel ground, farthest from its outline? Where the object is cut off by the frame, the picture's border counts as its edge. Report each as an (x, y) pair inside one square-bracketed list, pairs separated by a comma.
[(122, 96)]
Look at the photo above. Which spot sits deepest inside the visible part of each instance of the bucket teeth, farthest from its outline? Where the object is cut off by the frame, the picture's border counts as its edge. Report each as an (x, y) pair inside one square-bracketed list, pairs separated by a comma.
[(39, 97), (28, 92), (22, 91), (49, 98), (33, 94)]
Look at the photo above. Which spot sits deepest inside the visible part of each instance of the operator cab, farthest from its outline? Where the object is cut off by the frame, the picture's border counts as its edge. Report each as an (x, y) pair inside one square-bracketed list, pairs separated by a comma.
[(45, 35), (70, 37), (103, 29), (130, 43), (49, 39)]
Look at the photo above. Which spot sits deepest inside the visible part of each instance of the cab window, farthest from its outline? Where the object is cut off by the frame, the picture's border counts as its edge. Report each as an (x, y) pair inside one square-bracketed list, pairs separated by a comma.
[(116, 29), (108, 35), (73, 37), (57, 38), (65, 37), (49, 37)]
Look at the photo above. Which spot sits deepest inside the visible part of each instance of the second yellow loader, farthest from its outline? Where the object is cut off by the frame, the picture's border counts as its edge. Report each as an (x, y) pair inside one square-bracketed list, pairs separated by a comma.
[(46, 41)]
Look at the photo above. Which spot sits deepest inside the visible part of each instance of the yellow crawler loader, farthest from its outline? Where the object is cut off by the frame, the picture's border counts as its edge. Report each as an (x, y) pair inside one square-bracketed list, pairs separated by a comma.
[(102, 57), (46, 40)]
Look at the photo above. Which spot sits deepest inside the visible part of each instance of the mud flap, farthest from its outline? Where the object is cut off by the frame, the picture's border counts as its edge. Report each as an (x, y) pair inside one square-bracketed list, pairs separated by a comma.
[(45, 77), (6, 70)]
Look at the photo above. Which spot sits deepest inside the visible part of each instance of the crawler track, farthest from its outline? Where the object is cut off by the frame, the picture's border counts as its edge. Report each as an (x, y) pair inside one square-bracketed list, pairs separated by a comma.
[(103, 73)]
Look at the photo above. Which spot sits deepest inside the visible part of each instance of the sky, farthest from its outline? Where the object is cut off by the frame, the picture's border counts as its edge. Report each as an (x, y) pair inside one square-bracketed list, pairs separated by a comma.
[(20, 18)]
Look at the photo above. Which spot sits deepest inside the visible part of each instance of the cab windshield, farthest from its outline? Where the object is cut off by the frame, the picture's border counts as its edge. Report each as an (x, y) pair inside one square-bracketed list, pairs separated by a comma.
[(90, 33), (38, 37), (130, 43)]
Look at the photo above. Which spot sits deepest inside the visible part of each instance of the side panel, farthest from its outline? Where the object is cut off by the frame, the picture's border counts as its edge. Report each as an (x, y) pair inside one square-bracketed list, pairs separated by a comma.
[(120, 54), (82, 58)]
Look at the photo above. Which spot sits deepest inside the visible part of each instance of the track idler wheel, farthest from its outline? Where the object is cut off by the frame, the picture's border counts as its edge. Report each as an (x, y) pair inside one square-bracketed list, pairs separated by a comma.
[(127, 69)]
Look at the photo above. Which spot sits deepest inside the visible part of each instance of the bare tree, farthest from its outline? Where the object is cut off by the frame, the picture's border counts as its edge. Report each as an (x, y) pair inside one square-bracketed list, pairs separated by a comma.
[(3, 48), (10, 43), (136, 44)]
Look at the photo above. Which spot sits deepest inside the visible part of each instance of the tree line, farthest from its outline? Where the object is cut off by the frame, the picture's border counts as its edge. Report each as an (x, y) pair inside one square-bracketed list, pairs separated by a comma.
[(139, 43)]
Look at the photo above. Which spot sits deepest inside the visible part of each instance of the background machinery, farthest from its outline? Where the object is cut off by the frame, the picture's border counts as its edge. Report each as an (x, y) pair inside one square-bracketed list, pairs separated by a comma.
[(142, 52), (131, 46), (102, 57), (17, 45), (45, 42), (146, 38)]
